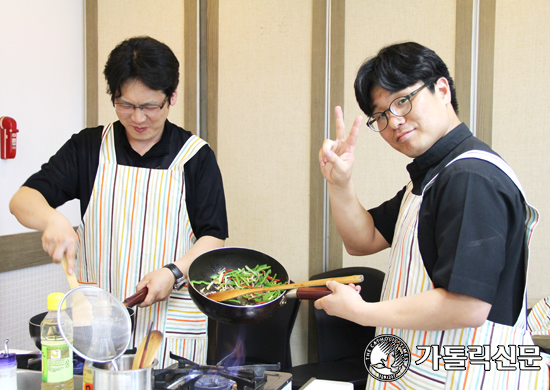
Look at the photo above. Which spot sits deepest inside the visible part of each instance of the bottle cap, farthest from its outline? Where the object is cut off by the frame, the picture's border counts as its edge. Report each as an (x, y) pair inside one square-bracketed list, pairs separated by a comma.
[(7, 360), (53, 301)]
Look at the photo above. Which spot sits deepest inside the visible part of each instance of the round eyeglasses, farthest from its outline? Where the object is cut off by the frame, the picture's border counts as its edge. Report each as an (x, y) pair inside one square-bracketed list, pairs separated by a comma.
[(147, 109), (399, 107)]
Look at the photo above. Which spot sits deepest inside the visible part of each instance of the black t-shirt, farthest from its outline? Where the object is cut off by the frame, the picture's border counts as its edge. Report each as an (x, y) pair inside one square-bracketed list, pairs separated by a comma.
[(71, 172), (471, 225)]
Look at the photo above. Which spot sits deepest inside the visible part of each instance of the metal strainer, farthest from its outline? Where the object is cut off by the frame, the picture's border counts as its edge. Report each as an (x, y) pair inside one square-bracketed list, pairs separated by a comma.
[(101, 326)]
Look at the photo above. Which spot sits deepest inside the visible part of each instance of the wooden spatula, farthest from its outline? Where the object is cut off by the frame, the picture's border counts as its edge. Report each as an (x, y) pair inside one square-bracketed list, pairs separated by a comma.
[(71, 278), (82, 308), (155, 341), (230, 294), (140, 352)]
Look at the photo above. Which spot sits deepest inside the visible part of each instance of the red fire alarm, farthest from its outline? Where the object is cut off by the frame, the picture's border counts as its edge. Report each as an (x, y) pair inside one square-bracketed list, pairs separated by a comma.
[(8, 137)]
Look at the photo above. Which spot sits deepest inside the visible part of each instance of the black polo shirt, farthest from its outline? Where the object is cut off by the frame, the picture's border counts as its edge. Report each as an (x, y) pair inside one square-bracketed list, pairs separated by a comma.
[(71, 172), (471, 225)]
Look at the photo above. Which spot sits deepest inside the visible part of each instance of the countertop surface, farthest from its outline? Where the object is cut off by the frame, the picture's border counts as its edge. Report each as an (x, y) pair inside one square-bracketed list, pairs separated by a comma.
[(31, 380)]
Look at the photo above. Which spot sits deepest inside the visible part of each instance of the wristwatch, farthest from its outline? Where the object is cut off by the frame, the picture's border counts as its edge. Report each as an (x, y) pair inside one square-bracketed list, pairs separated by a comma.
[(180, 279)]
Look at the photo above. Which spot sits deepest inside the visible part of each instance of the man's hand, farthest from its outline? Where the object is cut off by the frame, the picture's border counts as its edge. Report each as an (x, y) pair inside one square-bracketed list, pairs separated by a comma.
[(33, 211), (336, 157), (160, 284), (59, 239), (343, 302)]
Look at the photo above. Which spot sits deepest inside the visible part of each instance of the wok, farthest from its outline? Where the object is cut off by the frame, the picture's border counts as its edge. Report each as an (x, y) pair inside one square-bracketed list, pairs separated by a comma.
[(210, 263)]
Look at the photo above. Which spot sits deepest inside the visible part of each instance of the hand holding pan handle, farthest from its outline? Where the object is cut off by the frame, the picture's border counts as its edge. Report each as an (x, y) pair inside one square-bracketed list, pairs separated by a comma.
[(137, 298), (309, 293)]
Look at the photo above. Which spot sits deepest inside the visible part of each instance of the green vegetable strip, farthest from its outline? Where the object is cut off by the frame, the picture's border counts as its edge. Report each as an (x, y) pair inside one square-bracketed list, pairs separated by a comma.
[(259, 276), (199, 282)]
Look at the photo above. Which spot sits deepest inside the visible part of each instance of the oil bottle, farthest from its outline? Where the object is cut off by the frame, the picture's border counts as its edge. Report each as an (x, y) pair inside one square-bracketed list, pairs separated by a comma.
[(57, 356)]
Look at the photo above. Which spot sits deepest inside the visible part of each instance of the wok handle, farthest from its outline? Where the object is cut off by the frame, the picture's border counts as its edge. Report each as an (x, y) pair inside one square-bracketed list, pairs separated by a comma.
[(137, 298), (309, 293)]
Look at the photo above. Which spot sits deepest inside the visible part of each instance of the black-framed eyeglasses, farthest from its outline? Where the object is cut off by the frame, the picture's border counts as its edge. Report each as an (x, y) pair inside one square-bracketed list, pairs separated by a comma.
[(399, 107), (147, 109)]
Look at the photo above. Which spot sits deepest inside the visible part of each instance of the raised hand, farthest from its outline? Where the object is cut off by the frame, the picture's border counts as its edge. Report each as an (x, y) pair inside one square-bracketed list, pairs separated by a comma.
[(336, 157), (59, 239)]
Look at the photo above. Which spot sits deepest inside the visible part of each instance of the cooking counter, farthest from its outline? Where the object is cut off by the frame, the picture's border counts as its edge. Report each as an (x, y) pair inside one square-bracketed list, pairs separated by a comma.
[(31, 380)]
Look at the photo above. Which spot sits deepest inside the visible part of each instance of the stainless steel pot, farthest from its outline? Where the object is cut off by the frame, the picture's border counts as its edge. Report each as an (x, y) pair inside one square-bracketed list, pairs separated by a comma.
[(105, 377)]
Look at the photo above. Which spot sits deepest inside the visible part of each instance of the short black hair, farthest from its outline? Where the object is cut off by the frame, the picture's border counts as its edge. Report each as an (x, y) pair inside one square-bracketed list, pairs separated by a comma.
[(142, 59), (397, 67)]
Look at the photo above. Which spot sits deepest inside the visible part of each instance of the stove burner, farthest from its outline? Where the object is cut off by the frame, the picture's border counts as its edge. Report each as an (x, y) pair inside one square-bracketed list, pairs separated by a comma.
[(216, 382), (187, 375)]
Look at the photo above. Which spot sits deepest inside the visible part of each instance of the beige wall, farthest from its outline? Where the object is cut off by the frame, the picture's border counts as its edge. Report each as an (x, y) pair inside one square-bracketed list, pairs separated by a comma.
[(520, 121), (263, 131), (263, 134)]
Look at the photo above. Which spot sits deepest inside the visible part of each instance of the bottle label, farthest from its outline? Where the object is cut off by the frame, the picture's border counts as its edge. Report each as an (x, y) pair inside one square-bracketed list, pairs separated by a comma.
[(9, 373), (88, 376), (57, 363)]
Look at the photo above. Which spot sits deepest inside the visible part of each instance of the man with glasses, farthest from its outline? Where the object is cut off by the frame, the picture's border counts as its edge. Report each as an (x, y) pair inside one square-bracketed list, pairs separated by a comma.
[(457, 232), (151, 198)]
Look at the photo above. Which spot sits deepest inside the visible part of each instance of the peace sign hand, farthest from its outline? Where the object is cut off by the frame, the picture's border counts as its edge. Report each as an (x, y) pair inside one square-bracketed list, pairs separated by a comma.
[(336, 157)]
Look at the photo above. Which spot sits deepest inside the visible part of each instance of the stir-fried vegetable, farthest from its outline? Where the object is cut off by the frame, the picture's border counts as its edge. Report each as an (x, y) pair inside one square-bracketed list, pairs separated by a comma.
[(242, 278)]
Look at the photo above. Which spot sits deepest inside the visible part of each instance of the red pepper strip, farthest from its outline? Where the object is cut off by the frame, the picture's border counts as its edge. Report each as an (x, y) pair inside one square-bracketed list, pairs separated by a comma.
[(223, 276), (276, 280)]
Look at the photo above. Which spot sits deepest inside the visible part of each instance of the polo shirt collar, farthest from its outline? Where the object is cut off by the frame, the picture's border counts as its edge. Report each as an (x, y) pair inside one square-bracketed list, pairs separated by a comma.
[(161, 148), (419, 167)]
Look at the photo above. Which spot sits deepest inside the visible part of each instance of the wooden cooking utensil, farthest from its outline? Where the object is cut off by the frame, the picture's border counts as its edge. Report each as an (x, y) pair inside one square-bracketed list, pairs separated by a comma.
[(155, 341), (71, 278), (230, 294), (139, 356), (83, 313)]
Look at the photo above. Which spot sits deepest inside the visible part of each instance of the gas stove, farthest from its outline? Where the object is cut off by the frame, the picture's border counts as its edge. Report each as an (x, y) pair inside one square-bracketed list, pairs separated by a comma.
[(187, 375)]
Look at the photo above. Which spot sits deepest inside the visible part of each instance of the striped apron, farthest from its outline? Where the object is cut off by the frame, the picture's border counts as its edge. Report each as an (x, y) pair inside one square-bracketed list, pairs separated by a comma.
[(135, 223), (407, 276)]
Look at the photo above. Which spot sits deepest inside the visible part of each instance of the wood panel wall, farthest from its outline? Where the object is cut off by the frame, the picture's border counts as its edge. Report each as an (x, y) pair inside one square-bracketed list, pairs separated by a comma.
[(520, 132)]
